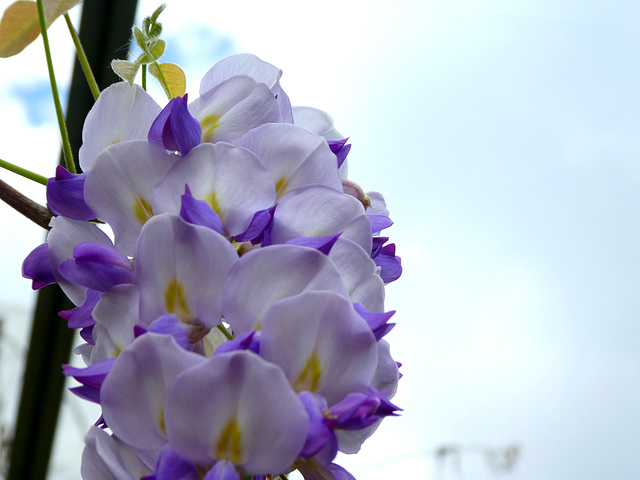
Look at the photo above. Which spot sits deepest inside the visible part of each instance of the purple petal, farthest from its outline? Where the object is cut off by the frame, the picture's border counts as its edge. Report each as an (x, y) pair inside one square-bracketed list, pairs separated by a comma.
[(65, 195), (86, 393), (222, 470), (97, 266), (185, 129), (379, 222), (87, 334), (320, 432), (377, 243), (37, 267), (376, 321), (339, 473), (323, 244), (175, 128), (246, 341), (199, 212), (170, 466), (65, 234), (157, 127), (81, 316), (259, 227), (357, 410), (340, 149), (390, 265), (90, 377), (171, 325)]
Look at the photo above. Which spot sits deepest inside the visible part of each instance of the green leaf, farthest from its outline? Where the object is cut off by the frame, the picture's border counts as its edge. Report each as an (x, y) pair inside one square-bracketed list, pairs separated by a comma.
[(125, 70), (156, 14), (140, 38), (152, 55), (154, 31), (171, 78), (158, 49), (20, 25)]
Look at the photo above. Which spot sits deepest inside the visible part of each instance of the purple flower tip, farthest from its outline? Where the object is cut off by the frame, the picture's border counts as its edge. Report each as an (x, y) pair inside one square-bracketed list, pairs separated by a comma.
[(199, 212), (175, 128), (340, 148), (65, 195)]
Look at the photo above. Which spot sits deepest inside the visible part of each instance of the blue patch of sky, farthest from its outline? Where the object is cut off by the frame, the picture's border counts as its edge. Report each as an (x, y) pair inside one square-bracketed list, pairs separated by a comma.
[(199, 45), (194, 46), (36, 99)]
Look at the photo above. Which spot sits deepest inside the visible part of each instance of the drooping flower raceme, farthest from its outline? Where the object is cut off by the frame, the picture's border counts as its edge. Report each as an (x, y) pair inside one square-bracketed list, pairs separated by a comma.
[(234, 323)]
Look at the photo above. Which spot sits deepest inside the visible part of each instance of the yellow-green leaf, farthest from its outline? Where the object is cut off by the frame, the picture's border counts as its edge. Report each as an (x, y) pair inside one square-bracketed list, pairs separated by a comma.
[(125, 70), (20, 25), (56, 8), (18, 28), (171, 78)]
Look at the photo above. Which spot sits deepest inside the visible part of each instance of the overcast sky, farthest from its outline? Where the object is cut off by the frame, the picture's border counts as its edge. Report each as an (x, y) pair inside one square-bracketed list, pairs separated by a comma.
[(504, 136)]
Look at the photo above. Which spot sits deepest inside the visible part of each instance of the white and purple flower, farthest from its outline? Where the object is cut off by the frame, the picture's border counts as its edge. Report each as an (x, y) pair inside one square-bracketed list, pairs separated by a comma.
[(234, 325)]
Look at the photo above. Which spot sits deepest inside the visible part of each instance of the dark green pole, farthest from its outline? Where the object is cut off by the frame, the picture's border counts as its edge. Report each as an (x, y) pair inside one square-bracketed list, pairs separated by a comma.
[(105, 30)]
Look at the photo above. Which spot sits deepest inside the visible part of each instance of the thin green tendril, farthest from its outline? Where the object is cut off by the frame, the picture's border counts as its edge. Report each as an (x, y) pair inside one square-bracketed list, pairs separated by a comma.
[(23, 172), (64, 135), (82, 58)]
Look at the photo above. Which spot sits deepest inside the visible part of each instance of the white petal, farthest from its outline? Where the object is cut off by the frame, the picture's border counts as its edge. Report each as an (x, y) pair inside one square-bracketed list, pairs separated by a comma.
[(121, 113), (181, 269), (260, 71), (294, 156), (231, 179), (118, 187), (321, 343), (317, 211), (266, 275), (359, 273), (234, 107)]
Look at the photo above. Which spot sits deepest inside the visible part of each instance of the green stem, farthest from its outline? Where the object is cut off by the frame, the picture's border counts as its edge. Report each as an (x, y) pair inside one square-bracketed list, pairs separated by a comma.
[(82, 57), (225, 332), (23, 172), (144, 77), (64, 135)]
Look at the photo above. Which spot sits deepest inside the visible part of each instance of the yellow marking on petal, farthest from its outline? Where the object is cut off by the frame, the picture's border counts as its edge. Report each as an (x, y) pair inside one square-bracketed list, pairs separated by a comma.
[(117, 351), (280, 186), (142, 209), (229, 445), (175, 300), (209, 125), (161, 424), (309, 377), (212, 201), (114, 141)]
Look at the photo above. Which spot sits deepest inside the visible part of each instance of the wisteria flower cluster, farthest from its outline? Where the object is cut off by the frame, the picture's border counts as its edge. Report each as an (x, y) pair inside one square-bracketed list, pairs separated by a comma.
[(234, 326)]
